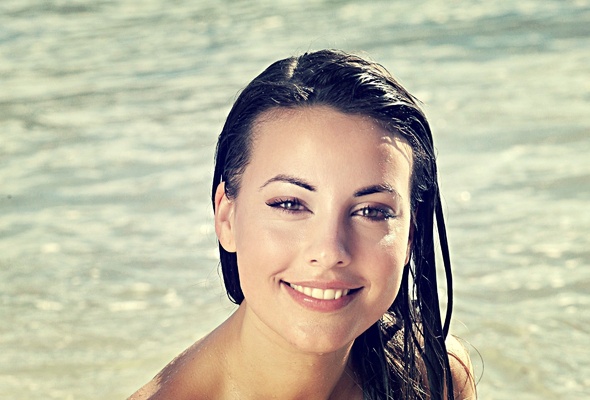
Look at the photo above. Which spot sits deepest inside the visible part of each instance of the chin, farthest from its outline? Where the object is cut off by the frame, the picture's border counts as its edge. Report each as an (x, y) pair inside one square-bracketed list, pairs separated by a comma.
[(322, 342)]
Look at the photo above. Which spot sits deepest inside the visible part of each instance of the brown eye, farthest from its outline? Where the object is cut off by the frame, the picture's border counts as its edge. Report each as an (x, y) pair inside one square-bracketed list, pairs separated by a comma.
[(375, 213), (290, 205)]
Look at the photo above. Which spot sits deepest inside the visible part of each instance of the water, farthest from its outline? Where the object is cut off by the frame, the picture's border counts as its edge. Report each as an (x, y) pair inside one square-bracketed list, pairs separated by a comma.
[(109, 113)]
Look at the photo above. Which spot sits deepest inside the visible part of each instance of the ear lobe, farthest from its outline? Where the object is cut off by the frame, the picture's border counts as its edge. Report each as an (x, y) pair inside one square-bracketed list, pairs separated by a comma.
[(224, 212)]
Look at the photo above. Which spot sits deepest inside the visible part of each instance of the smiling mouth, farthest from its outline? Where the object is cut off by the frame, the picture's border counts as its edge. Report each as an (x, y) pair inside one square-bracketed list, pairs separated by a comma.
[(322, 294)]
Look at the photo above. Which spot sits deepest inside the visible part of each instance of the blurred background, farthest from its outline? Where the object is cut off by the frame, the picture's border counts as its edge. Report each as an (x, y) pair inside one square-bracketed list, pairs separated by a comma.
[(109, 113)]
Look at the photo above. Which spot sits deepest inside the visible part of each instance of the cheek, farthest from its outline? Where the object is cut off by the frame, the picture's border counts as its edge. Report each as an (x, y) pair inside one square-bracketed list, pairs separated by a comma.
[(266, 237), (390, 260), (264, 248), (388, 290)]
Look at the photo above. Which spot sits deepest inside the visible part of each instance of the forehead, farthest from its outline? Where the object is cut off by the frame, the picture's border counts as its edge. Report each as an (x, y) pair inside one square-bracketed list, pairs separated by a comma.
[(283, 121), (322, 143)]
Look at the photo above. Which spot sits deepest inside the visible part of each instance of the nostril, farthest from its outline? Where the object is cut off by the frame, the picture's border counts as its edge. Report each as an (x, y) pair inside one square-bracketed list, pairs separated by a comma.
[(328, 261)]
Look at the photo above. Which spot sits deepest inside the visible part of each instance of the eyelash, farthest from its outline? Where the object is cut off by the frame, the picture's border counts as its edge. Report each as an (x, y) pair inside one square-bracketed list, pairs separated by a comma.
[(281, 204), (293, 205), (385, 214)]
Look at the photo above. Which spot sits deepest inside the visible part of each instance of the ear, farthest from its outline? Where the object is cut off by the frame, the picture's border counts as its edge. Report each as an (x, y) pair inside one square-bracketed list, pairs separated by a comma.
[(224, 213)]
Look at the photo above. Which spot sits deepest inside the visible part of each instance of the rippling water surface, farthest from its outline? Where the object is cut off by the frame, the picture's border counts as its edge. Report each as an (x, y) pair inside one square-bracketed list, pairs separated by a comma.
[(109, 113)]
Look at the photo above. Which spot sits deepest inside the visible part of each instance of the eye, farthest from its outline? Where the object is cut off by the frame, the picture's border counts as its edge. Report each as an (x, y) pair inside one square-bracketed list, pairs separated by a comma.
[(375, 213), (292, 205)]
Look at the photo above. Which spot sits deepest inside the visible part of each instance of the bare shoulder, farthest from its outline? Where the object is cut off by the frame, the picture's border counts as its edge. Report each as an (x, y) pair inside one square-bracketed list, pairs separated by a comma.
[(182, 378), (461, 369)]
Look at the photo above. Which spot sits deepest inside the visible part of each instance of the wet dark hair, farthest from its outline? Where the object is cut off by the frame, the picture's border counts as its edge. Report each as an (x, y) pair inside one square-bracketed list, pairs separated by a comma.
[(403, 355)]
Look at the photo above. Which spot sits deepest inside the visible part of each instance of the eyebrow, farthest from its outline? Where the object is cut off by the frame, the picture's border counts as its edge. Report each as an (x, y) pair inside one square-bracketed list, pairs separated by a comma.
[(292, 180), (381, 188)]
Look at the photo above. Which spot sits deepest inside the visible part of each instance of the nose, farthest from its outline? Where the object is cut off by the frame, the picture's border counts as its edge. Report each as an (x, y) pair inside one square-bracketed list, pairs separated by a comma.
[(328, 245)]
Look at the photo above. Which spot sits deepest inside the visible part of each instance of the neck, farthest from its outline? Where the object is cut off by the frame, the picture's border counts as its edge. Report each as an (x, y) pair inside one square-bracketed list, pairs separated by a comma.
[(262, 366)]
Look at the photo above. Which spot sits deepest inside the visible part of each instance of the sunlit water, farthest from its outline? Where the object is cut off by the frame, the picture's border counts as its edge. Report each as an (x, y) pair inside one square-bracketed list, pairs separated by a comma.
[(109, 111)]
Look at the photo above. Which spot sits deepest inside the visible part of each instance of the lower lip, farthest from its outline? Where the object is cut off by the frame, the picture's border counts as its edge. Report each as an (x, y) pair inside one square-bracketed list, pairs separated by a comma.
[(314, 304)]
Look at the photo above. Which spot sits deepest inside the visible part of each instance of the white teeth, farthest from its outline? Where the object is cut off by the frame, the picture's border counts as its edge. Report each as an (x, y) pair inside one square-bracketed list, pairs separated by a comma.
[(327, 294)]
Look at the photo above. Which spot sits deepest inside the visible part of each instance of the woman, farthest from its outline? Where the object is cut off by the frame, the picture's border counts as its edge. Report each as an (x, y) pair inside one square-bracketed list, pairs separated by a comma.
[(325, 195)]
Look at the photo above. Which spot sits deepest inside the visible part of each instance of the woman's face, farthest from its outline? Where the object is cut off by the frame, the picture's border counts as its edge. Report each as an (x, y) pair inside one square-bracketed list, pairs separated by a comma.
[(321, 226)]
